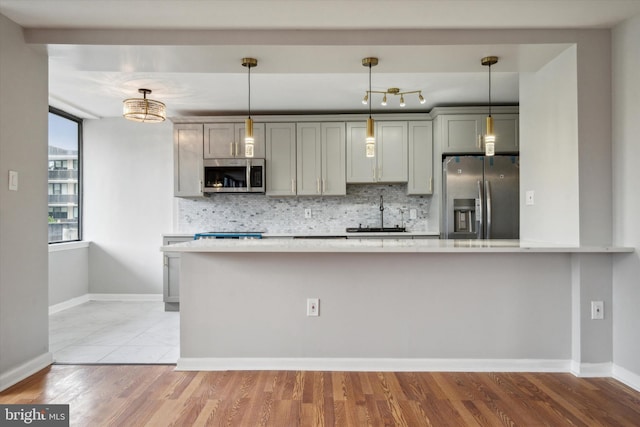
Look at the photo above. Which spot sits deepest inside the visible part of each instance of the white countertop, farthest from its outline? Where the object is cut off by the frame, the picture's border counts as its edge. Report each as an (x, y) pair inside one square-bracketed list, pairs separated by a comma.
[(383, 245)]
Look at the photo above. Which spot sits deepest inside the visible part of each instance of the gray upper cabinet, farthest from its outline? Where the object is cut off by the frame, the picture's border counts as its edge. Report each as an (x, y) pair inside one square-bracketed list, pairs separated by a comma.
[(226, 140), (281, 159), (420, 158), (464, 133), (321, 166), (391, 161), (188, 166)]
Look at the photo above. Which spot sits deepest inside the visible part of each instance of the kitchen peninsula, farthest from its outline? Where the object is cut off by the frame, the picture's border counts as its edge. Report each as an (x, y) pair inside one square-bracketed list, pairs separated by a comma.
[(399, 304)]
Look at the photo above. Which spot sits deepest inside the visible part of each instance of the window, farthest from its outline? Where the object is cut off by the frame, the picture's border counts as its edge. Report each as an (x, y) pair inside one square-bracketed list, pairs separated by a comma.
[(65, 184)]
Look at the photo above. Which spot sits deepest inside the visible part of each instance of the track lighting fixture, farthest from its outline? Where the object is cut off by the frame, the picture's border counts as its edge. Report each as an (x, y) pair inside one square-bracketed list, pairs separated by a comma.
[(393, 91)]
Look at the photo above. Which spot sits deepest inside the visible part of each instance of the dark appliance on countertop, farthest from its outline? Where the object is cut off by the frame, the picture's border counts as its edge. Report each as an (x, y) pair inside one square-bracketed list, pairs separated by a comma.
[(234, 175), (228, 235), (481, 197)]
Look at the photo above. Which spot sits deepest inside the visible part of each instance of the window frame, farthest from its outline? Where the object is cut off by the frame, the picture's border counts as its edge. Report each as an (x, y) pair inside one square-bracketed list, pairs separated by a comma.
[(80, 186)]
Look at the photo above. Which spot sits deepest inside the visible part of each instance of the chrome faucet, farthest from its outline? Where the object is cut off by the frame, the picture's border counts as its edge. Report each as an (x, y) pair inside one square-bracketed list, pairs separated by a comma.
[(381, 212)]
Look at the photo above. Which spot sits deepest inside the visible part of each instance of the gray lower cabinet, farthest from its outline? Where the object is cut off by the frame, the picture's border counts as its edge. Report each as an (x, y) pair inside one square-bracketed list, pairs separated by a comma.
[(171, 275)]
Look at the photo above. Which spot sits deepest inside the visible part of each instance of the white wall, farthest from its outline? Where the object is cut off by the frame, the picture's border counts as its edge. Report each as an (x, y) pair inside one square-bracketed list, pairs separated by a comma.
[(376, 305), (23, 226), (549, 152), (626, 196), (128, 194), (68, 272)]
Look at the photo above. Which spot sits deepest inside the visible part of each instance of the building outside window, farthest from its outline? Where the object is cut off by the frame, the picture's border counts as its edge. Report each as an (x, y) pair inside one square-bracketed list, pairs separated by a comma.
[(65, 184)]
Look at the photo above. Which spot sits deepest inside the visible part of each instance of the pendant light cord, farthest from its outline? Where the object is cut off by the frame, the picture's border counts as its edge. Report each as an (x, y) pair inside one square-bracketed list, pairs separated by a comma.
[(370, 100), (489, 90), (249, 78)]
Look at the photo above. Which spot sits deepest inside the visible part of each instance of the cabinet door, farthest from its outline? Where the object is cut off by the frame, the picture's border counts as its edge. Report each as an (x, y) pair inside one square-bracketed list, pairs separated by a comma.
[(360, 168), (391, 152), (188, 167), (258, 140), (171, 278), (334, 165), (171, 274), (506, 129), (420, 158), (220, 141), (309, 159), (281, 159), (462, 133)]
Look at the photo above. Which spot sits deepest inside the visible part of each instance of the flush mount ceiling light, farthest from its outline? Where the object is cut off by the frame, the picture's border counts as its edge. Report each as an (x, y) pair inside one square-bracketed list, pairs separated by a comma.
[(248, 123), (143, 109), (393, 91), (489, 137), (370, 141)]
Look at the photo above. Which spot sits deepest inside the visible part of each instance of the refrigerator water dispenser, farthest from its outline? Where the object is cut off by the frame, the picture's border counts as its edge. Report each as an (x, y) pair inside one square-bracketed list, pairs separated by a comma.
[(464, 212)]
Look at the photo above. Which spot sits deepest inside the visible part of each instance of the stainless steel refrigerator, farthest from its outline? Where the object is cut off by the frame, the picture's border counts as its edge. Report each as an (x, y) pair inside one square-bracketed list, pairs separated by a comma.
[(481, 197)]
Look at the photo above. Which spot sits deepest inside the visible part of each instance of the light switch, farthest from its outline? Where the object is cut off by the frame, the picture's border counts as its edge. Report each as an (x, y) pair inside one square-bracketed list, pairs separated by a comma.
[(13, 180), (529, 200)]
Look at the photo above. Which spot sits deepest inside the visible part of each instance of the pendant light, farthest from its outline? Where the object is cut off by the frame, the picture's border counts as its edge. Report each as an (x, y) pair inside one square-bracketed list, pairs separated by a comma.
[(143, 109), (248, 123), (489, 137), (370, 142)]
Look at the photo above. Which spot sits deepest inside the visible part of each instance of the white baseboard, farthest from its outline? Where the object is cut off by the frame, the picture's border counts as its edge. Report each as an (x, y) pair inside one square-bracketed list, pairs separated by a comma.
[(125, 297), (68, 304), (25, 370), (368, 365), (103, 297), (627, 377), (591, 370)]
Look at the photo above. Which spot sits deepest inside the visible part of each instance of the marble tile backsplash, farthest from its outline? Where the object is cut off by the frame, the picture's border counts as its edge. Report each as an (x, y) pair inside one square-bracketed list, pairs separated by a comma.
[(257, 212)]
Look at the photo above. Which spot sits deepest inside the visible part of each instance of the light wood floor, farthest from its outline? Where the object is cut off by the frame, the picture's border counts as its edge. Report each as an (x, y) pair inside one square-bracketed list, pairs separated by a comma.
[(118, 395)]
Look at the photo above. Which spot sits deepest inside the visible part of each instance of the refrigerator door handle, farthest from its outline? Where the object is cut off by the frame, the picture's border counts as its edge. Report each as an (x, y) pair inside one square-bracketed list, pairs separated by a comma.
[(487, 188), (479, 204)]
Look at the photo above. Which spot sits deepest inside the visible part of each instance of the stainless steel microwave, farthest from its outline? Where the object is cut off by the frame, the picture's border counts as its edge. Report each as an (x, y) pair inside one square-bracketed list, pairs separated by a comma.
[(234, 176)]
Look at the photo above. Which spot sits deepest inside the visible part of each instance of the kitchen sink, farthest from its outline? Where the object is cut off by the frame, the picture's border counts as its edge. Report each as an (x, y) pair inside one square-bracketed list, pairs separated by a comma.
[(361, 229)]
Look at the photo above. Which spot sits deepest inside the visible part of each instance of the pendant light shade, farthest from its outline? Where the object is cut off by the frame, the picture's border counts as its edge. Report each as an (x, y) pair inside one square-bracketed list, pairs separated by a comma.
[(370, 141), (489, 137), (248, 123), (143, 109)]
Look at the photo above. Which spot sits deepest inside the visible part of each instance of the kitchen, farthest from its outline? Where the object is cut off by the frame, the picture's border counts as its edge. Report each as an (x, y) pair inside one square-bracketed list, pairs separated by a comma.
[(287, 214), (556, 218)]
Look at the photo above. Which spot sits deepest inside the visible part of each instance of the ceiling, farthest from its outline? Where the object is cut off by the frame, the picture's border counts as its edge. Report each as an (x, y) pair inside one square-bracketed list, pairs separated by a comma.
[(102, 52)]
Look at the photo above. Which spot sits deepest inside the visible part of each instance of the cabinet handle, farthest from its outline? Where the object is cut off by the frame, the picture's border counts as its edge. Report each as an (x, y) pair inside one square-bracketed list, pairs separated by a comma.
[(166, 261), (318, 185), (293, 186), (324, 186), (237, 148), (479, 141), (201, 187), (231, 149), (431, 184)]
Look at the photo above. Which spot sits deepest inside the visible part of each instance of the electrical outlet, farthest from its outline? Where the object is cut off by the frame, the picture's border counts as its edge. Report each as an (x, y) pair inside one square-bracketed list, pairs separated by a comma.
[(597, 310), (413, 214), (313, 307), (530, 197), (307, 213)]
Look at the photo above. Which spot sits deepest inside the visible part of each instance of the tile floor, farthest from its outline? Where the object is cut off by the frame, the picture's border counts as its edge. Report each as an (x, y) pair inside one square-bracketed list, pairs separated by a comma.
[(115, 332)]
